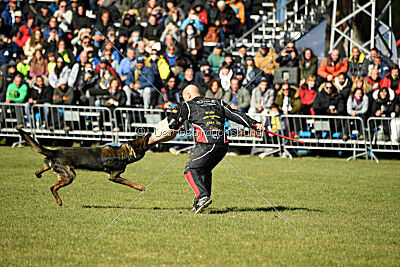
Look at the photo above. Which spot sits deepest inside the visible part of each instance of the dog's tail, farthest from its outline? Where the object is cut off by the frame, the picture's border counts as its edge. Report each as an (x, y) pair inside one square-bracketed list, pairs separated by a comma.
[(35, 145)]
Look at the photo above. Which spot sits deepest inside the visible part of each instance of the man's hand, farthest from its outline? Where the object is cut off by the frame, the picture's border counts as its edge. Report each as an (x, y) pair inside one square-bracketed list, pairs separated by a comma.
[(329, 77), (8, 101), (378, 113), (235, 107), (353, 113), (260, 127), (260, 107), (136, 86)]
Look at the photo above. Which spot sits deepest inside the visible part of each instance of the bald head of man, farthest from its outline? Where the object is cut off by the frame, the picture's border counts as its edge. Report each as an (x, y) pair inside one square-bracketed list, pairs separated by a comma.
[(190, 92)]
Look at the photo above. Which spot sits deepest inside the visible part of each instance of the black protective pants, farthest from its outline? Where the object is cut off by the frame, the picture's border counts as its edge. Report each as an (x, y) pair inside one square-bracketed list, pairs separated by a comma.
[(198, 169)]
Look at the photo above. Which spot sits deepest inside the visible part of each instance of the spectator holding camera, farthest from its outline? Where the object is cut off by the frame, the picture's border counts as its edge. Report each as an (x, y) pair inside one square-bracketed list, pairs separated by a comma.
[(289, 57), (265, 60), (193, 19), (64, 16)]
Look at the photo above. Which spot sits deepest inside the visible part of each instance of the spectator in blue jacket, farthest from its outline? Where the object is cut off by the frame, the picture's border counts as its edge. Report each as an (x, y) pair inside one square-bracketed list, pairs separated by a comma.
[(8, 13), (193, 19), (127, 64), (140, 84)]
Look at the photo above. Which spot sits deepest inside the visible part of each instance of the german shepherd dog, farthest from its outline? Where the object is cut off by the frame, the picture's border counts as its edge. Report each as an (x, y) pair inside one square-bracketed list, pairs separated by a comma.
[(109, 159)]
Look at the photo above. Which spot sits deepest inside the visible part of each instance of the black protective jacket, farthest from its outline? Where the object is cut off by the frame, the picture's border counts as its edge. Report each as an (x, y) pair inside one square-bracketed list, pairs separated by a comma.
[(208, 117)]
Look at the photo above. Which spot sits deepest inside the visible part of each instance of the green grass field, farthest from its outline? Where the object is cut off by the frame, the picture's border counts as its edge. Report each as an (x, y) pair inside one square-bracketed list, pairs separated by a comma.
[(348, 211)]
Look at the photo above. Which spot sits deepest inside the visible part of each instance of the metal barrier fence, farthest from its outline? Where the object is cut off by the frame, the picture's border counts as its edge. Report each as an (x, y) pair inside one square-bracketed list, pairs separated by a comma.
[(339, 133), (72, 122), (384, 134), (81, 123)]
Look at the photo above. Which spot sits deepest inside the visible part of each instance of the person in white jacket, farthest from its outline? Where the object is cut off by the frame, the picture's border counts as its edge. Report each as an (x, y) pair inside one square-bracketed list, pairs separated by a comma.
[(64, 16), (262, 98), (357, 106)]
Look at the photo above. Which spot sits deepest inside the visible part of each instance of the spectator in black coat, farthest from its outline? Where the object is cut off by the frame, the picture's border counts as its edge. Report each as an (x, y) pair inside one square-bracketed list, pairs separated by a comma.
[(192, 45), (18, 23), (41, 93), (42, 20), (128, 26), (225, 20), (80, 20), (289, 57), (328, 101), (170, 95), (153, 30)]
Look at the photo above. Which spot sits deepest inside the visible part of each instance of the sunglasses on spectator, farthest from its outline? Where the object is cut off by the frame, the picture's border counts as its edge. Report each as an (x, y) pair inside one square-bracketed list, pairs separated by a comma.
[(328, 87), (63, 6)]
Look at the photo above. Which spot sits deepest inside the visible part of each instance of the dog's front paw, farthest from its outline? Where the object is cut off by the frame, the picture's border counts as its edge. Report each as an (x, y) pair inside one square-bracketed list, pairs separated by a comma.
[(38, 175), (141, 188)]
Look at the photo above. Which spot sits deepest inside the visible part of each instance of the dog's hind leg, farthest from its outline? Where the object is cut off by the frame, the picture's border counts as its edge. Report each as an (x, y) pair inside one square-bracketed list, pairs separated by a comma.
[(66, 175), (116, 178), (46, 167)]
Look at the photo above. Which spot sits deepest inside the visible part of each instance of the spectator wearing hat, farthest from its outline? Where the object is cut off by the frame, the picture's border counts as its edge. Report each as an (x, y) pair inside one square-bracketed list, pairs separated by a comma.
[(225, 20), (237, 97), (43, 18), (238, 73), (262, 97), (128, 26), (308, 65), (17, 24), (265, 60), (203, 80), (214, 90), (80, 20), (252, 74), (192, 45), (153, 30), (105, 65), (216, 58), (140, 84), (159, 67), (193, 19), (64, 16), (198, 6), (7, 49), (86, 82), (375, 52), (380, 65), (26, 30), (333, 65), (8, 14), (358, 64)]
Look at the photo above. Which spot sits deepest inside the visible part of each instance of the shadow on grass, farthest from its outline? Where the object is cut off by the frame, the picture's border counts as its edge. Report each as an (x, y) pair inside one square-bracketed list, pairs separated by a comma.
[(211, 210), (263, 209)]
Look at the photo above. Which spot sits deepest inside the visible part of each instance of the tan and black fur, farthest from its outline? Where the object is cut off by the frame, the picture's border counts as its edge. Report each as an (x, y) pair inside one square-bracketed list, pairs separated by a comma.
[(109, 159)]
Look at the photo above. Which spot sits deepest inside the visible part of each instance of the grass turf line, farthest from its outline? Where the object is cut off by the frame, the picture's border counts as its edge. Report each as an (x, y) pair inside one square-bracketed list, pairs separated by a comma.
[(348, 211)]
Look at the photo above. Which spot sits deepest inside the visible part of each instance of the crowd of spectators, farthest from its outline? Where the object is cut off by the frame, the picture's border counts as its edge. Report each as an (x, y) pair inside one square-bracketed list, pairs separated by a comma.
[(100, 54)]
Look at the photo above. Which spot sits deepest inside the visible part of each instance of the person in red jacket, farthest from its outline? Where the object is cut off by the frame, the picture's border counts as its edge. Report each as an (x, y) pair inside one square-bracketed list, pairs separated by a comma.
[(374, 80), (308, 92), (392, 80), (333, 66), (26, 31), (103, 65)]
